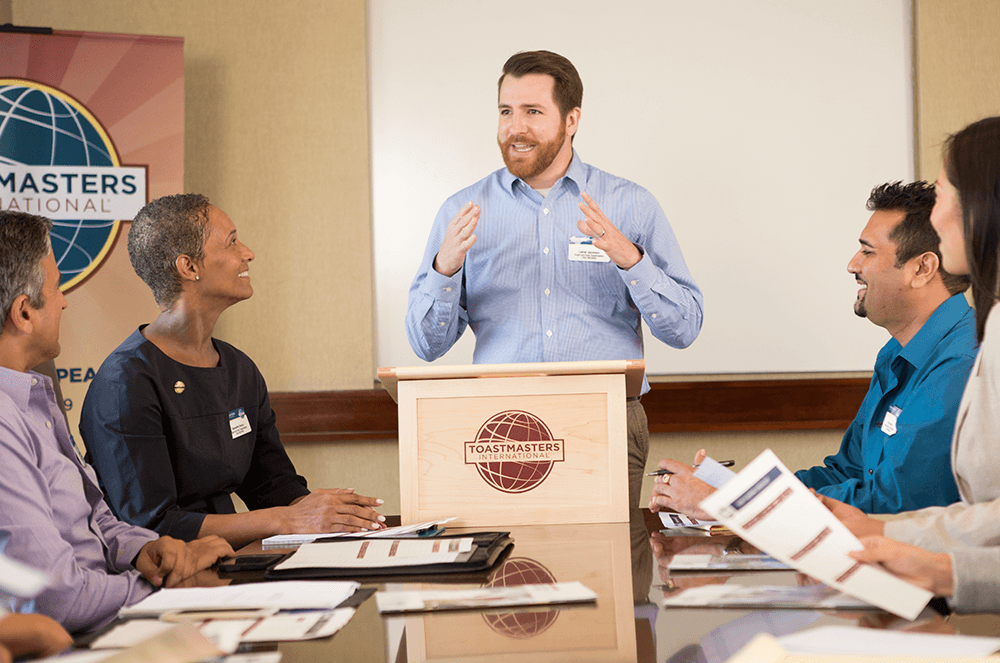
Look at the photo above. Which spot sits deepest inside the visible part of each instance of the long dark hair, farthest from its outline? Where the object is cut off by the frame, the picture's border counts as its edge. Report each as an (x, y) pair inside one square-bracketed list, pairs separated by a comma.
[(972, 164)]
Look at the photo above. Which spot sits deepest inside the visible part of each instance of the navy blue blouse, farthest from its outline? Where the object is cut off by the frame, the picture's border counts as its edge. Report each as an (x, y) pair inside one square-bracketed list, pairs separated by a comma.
[(172, 442)]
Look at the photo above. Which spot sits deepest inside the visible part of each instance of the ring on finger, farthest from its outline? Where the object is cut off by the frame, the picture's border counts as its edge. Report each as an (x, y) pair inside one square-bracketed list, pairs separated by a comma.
[(602, 233), (666, 479)]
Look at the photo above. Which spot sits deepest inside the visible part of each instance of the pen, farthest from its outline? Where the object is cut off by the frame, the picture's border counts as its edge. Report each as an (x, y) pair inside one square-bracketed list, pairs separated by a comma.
[(660, 473)]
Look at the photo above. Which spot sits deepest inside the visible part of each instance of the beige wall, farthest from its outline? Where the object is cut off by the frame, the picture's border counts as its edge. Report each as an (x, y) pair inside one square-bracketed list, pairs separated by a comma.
[(957, 71), (277, 134)]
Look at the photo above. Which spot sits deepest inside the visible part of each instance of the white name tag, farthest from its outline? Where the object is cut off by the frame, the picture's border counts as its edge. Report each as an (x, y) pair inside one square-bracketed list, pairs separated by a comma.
[(583, 249), (238, 423), (889, 420)]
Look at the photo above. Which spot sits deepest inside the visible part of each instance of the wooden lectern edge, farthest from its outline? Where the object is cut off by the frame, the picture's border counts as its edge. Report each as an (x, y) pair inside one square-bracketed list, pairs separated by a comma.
[(633, 370)]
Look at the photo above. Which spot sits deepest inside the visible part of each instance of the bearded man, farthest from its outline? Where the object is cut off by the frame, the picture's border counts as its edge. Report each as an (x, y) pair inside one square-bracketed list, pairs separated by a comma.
[(513, 255)]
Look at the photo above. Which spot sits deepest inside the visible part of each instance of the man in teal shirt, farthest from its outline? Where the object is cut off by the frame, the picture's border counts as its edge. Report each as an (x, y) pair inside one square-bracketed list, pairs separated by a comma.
[(896, 455)]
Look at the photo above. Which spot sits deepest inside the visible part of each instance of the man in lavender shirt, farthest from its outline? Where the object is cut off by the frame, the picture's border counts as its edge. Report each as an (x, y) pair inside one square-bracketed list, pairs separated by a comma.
[(52, 512)]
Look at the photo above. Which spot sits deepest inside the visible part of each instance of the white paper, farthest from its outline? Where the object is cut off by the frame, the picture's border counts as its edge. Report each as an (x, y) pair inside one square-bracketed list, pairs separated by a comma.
[(768, 506), (296, 540), (807, 597), (130, 633), (255, 657), (737, 562), (17, 579), (377, 553), (712, 473), (877, 642), (287, 595), (299, 626), (672, 520), (483, 597)]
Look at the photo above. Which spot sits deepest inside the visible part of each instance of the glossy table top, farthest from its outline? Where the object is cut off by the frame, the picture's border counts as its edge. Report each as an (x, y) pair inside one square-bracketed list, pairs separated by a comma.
[(627, 623)]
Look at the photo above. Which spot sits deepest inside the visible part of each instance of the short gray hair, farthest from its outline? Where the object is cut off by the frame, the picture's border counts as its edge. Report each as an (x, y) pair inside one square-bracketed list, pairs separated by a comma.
[(24, 244), (164, 229)]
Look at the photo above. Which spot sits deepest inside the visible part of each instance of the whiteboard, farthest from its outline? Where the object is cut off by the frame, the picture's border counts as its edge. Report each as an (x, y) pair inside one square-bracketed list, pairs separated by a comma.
[(760, 128)]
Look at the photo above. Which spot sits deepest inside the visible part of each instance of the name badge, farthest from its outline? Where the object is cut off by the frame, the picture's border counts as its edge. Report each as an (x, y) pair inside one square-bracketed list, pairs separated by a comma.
[(238, 422), (889, 420), (583, 249)]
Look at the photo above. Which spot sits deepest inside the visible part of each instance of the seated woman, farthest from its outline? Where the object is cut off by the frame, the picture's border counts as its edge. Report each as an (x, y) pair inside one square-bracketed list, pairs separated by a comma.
[(955, 550), (176, 421)]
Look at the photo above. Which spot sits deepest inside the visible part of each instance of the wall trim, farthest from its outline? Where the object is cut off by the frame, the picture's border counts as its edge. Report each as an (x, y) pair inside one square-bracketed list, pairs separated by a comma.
[(671, 407)]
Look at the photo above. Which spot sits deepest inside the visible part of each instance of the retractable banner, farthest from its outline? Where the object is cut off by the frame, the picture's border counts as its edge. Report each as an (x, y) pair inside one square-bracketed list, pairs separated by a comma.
[(91, 128)]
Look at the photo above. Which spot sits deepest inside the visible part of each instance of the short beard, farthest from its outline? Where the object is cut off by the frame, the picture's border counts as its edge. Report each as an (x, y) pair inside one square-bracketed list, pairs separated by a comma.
[(541, 157), (859, 308)]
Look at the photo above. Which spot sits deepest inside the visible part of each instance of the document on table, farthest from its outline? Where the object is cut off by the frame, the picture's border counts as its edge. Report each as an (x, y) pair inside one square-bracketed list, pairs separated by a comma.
[(861, 641), (766, 505), (783, 597), (296, 540), (483, 597), (766, 649), (285, 595), (376, 553), (737, 562)]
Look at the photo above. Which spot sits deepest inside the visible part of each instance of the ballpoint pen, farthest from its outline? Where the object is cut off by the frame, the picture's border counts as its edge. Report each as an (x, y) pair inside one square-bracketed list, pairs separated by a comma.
[(660, 473)]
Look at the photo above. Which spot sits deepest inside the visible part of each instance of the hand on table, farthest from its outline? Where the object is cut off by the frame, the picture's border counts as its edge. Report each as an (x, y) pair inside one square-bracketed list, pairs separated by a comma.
[(167, 562), (31, 635), (606, 235), (332, 510), (458, 239)]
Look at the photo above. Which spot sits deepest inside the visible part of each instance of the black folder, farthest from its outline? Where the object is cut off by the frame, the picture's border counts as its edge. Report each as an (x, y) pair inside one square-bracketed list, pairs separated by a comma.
[(487, 550)]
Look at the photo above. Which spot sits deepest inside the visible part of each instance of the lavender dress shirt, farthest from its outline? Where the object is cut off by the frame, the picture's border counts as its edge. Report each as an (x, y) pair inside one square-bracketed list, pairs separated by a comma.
[(53, 515)]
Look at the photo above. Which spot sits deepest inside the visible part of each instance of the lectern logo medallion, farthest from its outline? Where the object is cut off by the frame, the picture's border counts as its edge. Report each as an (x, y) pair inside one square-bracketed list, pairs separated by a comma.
[(514, 451), (522, 624)]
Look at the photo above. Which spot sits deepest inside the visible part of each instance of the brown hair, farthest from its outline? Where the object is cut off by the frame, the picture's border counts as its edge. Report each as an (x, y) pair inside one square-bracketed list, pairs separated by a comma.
[(972, 164), (568, 90)]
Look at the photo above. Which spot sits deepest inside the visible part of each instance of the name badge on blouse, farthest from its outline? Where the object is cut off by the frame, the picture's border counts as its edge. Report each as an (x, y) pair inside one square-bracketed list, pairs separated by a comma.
[(889, 420), (238, 422), (582, 249)]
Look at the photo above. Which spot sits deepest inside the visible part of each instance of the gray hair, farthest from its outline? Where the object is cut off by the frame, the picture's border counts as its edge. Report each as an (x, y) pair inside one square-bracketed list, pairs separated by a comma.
[(24, 244), (163, 230)]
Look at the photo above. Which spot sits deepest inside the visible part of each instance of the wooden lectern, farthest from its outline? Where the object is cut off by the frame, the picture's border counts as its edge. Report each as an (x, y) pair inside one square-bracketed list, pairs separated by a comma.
[(514, 444)]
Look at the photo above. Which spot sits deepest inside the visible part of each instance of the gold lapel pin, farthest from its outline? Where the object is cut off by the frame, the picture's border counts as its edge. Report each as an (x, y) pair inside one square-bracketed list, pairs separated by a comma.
[(179, 387)]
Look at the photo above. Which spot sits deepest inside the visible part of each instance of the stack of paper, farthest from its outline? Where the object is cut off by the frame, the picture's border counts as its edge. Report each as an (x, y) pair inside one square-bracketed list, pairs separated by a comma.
[(296, 540), (483, 597), (288, 595), (377, 553)]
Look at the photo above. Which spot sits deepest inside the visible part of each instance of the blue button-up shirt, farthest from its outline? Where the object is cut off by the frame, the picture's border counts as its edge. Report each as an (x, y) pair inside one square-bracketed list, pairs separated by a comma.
[(526, 301), (52, 512), (883, 472)]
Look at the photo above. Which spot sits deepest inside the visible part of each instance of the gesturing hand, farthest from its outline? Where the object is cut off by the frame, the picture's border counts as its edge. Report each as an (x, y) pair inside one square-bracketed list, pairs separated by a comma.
[(458, 239), (167, 561), (606, 236), (332, 510)]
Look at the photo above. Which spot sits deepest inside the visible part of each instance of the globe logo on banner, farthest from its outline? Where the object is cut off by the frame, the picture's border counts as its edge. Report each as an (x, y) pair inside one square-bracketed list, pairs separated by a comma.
[(514, 451), (523, 624), (56, 160)]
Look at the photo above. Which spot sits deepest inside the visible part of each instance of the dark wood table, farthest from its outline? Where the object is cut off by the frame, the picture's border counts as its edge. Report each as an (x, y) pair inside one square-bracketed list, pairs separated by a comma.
[(626, 624)]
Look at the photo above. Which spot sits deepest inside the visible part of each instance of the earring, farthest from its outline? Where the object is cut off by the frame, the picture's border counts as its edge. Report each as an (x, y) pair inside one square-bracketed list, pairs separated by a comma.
[(197, 278)]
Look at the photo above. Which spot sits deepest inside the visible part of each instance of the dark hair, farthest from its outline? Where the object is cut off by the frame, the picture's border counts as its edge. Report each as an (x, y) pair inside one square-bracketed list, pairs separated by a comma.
[(972, 164), (914, 235), (24, 244), (164, 229), (568, 90)]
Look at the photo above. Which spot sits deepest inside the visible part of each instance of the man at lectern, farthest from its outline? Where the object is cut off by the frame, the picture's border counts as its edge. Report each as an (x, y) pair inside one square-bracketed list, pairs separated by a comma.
[(550, 259), (896, 454)]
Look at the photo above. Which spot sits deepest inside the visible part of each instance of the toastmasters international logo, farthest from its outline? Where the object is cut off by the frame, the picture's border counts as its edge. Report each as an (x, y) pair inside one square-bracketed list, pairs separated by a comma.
[(514, 451), (56, 160)]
